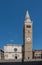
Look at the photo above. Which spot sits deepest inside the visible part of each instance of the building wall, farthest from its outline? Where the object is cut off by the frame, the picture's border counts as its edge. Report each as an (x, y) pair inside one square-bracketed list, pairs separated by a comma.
[(9, 56), (38, 54), (13, 52), (11, 48), (1, 55)]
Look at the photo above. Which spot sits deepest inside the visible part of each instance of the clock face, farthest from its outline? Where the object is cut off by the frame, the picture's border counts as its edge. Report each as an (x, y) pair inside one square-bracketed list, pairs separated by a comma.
[(28, 39)]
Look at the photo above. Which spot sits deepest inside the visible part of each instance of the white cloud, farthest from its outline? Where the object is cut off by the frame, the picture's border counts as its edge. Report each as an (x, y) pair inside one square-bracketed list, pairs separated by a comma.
[(11, 40)]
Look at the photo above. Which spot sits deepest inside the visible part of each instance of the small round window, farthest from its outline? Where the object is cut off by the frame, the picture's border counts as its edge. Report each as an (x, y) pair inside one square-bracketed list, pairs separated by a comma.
[(15, 49)]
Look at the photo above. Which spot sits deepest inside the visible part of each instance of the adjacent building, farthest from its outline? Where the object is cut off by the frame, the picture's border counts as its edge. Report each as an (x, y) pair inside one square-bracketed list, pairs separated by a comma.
[(37, 54), (1, 54)]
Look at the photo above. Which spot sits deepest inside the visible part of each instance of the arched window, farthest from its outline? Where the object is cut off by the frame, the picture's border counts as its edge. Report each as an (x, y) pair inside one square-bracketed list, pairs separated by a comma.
[(28, 26)]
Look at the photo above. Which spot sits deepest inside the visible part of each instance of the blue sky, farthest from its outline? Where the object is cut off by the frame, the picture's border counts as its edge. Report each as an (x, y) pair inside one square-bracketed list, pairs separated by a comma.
[(12, 15)]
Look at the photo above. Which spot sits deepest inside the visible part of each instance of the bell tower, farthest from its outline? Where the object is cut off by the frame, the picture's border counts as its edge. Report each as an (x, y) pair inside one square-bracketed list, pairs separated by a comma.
[(27, 36)]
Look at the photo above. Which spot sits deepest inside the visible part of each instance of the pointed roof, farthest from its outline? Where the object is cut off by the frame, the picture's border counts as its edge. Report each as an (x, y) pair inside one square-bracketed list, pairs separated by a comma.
[(27, 15)]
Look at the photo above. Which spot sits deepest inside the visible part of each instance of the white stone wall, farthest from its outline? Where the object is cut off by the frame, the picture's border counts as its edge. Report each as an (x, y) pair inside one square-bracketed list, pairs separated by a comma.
[(11, 48), (12, 51), (9, 56)]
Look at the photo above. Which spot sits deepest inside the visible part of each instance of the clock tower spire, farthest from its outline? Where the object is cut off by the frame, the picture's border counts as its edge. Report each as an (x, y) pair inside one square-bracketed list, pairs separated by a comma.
[(27, 15), (27, 38)]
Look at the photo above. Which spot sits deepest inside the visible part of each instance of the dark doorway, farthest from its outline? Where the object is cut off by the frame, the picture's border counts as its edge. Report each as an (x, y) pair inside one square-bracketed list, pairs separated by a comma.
[(15, 57), (28, 57)]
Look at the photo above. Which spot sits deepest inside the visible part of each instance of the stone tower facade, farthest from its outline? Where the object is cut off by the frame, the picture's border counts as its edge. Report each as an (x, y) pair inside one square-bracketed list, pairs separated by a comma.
[(27, 38)]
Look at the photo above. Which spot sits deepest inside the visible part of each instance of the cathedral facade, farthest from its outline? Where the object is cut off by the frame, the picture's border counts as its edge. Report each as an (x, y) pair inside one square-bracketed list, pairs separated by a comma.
[(13, 52)]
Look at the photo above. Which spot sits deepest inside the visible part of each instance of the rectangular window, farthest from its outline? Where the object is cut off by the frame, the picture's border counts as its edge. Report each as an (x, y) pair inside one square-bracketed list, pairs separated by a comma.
[(28, 26)]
